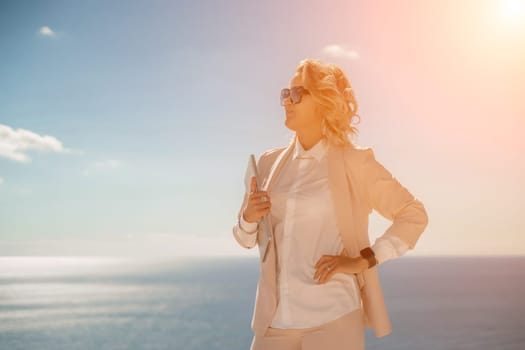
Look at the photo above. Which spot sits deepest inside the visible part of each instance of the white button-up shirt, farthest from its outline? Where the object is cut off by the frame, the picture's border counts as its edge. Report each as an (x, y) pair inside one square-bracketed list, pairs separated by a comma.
[(304, 224)]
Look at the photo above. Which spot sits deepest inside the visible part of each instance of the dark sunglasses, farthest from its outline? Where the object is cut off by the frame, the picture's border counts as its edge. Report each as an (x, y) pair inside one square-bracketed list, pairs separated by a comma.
[(294, 93)]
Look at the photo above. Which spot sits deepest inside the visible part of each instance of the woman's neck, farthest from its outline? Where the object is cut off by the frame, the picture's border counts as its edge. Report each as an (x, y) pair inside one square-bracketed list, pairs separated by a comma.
[(308, 140)]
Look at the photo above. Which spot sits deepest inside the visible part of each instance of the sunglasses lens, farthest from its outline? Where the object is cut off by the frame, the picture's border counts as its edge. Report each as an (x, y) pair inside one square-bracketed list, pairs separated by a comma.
[(284, 94), (296, 94)]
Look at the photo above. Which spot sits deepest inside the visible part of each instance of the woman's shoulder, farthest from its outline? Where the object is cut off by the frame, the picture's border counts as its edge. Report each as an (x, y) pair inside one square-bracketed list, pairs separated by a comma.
[(268, 158), (273, 152), (359, 152), (270, 155)]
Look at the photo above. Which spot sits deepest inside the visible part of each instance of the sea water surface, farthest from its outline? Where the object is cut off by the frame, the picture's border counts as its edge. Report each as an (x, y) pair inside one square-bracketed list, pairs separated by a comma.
[(53, 303)]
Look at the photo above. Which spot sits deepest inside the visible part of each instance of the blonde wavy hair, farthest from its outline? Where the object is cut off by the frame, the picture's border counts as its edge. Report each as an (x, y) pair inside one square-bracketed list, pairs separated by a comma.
[(335, 99)]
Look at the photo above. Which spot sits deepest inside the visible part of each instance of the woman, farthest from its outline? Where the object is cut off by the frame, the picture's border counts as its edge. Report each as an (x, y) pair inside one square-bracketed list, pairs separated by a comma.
[(319, 286)]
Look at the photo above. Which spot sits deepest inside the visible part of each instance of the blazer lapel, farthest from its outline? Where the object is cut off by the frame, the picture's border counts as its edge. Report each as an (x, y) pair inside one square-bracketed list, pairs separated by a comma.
[(266, 186), (339, 187), (341, 193), (340, 190), (277, 166), (340, 183)]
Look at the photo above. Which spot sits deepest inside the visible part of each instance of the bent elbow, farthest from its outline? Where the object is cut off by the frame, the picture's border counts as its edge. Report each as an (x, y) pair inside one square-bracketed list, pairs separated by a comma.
[(426, 220), (423, 214)]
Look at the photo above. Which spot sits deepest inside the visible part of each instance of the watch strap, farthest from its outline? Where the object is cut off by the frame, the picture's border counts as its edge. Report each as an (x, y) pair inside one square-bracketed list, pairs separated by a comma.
[(369, 255)]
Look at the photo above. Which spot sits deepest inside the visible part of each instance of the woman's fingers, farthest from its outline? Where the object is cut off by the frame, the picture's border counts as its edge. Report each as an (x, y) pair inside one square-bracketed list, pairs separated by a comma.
[(325, 276), (322, 274), (319, 269), (319, 274), (259, 203), (259, 194), (259, 197), (257, 208), (262, 206), (321, 260), (263, 212)]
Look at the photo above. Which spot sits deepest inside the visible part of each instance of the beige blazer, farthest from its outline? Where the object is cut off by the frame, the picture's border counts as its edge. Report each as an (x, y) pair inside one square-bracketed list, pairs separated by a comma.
[(359, 184)]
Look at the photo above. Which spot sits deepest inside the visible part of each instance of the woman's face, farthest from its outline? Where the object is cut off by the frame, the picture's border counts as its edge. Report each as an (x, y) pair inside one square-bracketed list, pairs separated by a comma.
[(302, 115)]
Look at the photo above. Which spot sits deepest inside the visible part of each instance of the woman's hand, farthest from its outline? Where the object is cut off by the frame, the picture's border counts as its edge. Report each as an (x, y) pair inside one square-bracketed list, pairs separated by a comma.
[(338, 263), (259, 203)]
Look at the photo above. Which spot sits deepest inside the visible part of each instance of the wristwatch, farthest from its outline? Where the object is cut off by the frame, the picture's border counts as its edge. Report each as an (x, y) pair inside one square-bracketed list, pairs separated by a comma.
[(369, 255)]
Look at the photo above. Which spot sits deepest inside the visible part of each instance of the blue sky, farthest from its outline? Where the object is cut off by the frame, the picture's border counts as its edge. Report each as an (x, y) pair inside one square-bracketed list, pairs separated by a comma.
[(151, 109)]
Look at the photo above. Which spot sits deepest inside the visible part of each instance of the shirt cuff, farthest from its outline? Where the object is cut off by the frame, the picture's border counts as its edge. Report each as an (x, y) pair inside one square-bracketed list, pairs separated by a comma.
[(248, 227), (388, 247)]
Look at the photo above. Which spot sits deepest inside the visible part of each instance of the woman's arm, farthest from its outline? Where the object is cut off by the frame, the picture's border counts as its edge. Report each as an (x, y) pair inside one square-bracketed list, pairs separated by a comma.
[(393, 201), (388, 247), (245, 232)]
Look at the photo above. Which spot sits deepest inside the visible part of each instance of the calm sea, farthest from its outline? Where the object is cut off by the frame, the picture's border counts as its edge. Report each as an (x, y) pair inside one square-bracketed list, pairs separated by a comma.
[(52, 303)]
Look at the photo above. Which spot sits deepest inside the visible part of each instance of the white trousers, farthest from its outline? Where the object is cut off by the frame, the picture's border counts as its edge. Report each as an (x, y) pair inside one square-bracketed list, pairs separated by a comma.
[(344, 333)]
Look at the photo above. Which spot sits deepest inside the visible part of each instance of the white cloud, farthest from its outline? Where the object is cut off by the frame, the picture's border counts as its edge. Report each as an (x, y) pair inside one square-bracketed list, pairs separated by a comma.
[(46, 31), (1, 180), (15, 143), (340, 52)]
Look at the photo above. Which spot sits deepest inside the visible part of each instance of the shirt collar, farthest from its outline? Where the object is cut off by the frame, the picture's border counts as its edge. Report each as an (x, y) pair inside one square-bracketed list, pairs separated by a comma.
[(317, 151)]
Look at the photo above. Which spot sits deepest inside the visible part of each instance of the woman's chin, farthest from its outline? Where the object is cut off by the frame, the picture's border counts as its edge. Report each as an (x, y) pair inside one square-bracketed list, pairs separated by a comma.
[(289, 125)]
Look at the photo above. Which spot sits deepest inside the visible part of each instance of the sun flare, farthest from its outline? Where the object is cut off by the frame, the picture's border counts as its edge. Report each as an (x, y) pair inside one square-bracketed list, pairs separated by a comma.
[(513, 10)]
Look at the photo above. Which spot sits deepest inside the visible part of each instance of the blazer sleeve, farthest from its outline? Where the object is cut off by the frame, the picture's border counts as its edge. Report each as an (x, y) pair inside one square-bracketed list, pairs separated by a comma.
[(393, 201), (388, 247), (246, 233), (245, 238)]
